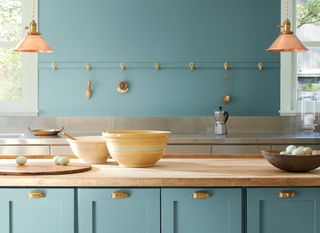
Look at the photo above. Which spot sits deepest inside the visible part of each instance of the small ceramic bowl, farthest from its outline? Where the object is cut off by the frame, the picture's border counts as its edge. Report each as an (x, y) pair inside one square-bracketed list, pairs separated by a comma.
[(292, 163), (91, 149), (136, 148)]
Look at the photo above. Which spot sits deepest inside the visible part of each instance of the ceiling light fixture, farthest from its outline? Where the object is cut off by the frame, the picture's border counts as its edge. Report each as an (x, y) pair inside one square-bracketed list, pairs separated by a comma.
[(287, 41), (33, 41)]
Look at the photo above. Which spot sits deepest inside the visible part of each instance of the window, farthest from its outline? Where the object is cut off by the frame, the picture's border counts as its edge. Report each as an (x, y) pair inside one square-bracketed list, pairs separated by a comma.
[(300, 72), (18, 71)]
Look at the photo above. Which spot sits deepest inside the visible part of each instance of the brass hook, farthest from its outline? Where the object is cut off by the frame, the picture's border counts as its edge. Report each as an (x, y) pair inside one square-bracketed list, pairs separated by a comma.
[(226, 66), (192, 66), (157, 66), (54, 66), (123, 66), (260, 66), (88, 66)]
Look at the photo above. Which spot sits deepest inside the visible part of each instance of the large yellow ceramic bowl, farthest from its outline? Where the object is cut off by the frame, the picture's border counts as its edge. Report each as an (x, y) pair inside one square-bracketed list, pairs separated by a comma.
[(90, 149), (136, 148)]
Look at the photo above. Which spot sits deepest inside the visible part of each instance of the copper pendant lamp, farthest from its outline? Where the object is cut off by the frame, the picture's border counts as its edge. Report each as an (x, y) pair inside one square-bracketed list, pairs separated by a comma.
[(287, 41), (33, 42)]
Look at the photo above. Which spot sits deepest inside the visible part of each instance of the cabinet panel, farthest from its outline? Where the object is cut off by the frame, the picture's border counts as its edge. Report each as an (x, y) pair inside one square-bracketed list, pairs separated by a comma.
[(99, 212), (188, 150), (24, 150), (53, 213), (220, 212), (239, 149), (267, 213), (61, 150)]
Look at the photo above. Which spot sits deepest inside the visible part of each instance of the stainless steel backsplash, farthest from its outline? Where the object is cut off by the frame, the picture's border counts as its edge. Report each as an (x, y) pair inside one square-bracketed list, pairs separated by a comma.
[(179, 125)]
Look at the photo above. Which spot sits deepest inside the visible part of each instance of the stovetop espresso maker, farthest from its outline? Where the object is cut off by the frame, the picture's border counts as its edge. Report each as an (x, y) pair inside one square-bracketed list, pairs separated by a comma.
[(221, 118)]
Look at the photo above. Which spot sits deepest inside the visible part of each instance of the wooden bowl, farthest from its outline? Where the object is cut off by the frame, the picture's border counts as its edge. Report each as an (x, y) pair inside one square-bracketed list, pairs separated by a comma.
[(91, 149), (136, 148), (292, 163)]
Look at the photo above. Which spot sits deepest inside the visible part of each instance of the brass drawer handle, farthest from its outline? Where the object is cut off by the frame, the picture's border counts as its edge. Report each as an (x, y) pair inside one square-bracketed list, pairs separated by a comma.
[(36, 195), (119, 194), (287, 194), (200, 195)]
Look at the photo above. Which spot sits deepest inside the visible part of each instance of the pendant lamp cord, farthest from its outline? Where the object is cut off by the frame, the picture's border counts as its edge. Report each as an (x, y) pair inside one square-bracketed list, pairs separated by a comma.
[(33, 10), (287, 9)]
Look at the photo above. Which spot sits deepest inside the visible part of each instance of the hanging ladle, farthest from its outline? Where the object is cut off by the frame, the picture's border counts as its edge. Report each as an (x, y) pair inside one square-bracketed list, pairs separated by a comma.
[(226, 98)]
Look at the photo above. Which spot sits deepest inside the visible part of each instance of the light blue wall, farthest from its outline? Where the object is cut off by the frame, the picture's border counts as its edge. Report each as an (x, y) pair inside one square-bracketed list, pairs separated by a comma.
[(173, 32)]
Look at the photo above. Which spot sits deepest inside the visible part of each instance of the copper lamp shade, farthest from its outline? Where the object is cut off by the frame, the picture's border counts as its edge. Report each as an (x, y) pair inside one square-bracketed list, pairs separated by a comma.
[(287, 41), (33, 42)]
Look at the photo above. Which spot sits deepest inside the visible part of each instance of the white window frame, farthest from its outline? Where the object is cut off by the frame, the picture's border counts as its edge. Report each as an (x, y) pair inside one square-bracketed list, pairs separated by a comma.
[(289, 106), (28, 105)]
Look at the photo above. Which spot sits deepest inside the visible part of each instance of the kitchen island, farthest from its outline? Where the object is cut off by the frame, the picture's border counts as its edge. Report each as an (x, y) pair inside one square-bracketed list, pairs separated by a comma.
[(225, 195)]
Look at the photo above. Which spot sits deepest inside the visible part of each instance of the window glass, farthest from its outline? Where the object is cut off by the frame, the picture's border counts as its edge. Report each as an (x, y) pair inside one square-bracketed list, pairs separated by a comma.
[(10, 20), (10, 61), (10, 75), (308, 31)]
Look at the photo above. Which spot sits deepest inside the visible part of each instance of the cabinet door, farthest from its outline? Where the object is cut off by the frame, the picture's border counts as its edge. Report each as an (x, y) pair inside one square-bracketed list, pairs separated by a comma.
[(190, 211), (279, 210), (119, 210), (37, 211)]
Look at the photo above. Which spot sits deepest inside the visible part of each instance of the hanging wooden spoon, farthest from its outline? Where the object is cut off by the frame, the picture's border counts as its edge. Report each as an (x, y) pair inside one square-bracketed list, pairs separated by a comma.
[(88, 92), (69, 136)]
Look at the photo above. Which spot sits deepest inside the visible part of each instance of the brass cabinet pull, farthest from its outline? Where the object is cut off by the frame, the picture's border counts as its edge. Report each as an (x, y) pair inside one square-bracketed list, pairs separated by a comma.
[(200, 195), (119, 194), (287, 194), (36, 194)]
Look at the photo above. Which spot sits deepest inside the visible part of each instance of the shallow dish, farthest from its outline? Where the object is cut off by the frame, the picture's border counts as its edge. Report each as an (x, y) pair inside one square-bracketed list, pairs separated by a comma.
[(136, 148), (90, 149), (45, 132), (292, 163)]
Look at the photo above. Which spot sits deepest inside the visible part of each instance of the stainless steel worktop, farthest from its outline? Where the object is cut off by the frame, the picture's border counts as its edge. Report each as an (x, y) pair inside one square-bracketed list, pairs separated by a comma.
[(235, 138), (247, 138)]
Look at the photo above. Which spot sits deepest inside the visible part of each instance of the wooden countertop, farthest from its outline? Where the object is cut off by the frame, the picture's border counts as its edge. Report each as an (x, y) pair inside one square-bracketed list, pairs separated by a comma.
[(217, 172)]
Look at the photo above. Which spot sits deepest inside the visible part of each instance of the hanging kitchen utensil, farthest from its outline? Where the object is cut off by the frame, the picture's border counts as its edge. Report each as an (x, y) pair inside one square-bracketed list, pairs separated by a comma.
[(88, 91), (123, 87), (69, 136), (226, 98)]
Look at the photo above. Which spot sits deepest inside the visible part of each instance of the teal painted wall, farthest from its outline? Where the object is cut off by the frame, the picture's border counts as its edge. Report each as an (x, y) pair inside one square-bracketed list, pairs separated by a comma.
[(173, 32)]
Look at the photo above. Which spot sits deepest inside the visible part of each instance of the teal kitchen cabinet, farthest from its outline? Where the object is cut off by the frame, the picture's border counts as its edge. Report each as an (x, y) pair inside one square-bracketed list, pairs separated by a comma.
[(119, 210), (201, 210), (279, 210), (37, 210)]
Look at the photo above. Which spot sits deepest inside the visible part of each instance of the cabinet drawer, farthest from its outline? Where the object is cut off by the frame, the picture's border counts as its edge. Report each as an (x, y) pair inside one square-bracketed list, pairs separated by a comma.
[(27, 211), (61, 150), (219, 211), (297, 211), (239, 149), (119, 210), (188, 150), (24, 150)]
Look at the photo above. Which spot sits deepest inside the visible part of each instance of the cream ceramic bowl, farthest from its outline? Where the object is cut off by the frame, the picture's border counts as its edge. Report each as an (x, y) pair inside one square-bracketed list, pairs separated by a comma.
[(91, 149), (136, 148)]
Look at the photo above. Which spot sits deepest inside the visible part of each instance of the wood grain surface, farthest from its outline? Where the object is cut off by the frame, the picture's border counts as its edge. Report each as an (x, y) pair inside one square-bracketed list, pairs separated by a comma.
[(41, 168), (217, 172)]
